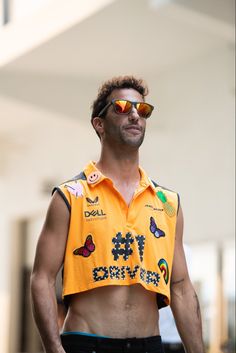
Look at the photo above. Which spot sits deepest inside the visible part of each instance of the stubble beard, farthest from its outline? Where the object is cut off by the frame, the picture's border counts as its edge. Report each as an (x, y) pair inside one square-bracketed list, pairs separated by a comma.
[(133, 141), (119, 135)]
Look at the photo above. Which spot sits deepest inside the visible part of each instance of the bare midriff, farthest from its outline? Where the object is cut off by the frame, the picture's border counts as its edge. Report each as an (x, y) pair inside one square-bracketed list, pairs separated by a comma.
[(114, 311)]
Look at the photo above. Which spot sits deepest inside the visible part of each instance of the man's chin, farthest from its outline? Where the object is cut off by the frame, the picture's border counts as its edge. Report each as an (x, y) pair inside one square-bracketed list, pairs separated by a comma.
[(134, 142)]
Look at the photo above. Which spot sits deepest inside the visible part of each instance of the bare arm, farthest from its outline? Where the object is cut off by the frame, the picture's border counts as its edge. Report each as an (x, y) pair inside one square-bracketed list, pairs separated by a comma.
[(184, 301), (48, 261)]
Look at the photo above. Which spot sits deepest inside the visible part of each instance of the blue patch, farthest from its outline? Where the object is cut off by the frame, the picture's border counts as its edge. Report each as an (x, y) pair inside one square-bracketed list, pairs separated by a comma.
[(157, 232)]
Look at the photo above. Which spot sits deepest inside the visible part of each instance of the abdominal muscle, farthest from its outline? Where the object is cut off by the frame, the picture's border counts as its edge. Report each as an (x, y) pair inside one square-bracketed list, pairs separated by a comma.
[(114, 311)]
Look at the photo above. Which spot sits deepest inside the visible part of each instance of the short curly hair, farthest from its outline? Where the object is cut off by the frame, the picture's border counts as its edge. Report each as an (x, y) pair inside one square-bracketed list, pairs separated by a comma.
[(116, 83)]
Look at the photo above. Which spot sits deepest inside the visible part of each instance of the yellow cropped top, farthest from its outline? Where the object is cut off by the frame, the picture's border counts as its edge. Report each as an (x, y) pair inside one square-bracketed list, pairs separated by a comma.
[(111, 243)]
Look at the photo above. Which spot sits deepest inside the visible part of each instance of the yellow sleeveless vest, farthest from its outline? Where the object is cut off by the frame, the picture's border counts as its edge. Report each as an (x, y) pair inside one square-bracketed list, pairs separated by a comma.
[(111, 243)]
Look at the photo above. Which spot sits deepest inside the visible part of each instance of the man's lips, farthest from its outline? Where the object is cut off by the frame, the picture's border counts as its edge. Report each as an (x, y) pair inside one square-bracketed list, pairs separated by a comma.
[(133, 128)]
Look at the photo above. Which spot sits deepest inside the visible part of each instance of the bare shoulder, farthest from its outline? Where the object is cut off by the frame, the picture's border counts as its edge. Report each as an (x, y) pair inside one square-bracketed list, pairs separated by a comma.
[(58, 214), (53, 237)]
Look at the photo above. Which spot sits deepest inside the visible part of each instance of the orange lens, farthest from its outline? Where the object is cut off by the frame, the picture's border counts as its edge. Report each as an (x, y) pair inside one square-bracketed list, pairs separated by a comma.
[(144, 110), (122, 106)]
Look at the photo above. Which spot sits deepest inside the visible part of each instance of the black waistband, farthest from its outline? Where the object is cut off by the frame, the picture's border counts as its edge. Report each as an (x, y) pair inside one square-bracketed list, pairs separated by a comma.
[(99, 344)]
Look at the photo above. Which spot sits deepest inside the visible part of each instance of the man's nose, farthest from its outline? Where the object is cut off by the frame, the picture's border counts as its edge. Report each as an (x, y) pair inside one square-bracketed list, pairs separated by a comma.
[(133, 115)]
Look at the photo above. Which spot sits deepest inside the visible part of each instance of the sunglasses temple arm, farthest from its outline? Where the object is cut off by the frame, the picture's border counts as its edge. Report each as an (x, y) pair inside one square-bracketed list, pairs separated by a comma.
[(104, 109)]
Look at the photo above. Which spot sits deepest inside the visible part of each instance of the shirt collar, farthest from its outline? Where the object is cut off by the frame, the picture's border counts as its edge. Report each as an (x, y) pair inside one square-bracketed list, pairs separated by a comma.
[(91, 169), (145, 181)]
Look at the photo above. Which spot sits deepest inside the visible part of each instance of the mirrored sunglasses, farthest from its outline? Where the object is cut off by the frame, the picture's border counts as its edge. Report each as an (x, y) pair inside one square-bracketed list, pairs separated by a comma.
[(123, 106)]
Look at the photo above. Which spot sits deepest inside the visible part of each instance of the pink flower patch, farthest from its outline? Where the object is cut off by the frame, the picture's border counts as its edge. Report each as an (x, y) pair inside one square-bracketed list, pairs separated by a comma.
[(75, 189)]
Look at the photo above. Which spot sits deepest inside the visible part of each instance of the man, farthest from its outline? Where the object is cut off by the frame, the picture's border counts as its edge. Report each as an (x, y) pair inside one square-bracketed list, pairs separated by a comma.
[(118, 236)]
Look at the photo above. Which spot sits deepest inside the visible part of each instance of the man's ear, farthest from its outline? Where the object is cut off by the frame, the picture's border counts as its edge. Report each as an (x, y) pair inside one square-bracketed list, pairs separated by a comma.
[(98, 124)]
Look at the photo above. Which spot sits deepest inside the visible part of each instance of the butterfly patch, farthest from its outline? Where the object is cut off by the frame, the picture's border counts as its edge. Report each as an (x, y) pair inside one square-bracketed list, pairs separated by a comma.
[(157, 232), (87, 249)]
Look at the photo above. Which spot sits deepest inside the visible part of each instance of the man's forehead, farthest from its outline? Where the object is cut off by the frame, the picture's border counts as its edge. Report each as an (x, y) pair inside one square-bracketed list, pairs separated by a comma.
[(126, 93)]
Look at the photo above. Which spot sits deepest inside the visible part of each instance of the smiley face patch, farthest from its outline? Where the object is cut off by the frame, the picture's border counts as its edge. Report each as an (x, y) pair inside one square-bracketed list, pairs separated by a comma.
[(94, 177)]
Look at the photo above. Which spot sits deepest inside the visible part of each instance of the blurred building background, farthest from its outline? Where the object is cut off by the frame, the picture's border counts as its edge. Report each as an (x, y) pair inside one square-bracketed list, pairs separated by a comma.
[(53, 56)]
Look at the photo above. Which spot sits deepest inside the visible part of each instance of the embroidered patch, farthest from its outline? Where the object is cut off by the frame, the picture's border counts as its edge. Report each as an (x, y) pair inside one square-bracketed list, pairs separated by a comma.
[(114, 272), (157, 232), (141, 242), (94, 177), (163, 266), (126, 272), (122, 246), (87, 249), (168, 208), (75, 189)]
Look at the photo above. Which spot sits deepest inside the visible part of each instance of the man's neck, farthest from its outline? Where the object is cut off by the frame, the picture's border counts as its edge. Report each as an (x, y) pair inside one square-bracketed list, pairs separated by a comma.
[(120, 166)]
